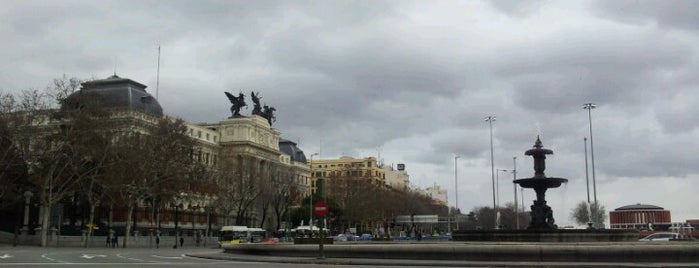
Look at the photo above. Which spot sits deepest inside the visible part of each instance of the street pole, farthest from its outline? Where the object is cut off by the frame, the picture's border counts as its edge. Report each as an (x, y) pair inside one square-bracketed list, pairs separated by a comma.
[(514, 177), (589, 107), (456, 191), (310, 205), (176, 218), (490, 120), (587, 184), (321, 252)]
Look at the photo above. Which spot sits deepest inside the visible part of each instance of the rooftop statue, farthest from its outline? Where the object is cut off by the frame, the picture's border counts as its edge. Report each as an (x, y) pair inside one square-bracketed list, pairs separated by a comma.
[(257, 109), (238, 102), (268, 113)]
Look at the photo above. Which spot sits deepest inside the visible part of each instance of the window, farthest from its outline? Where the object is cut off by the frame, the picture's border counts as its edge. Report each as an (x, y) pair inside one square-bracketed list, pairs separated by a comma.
[(207, 136), (199, 134)]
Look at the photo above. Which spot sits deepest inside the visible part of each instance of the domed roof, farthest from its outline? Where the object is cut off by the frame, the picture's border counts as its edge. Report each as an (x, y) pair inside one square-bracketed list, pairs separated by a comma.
[(117, 92), (290, 148), (640, 206)]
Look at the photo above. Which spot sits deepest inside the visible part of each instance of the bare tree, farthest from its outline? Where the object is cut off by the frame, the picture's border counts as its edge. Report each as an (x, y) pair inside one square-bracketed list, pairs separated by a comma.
[(156, 162), (51, 142), (583, 214), (285, 192)]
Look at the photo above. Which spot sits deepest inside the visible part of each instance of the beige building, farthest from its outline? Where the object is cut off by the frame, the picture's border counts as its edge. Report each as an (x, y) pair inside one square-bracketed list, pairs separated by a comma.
[(437, 194), (397, 179), (365, 168)]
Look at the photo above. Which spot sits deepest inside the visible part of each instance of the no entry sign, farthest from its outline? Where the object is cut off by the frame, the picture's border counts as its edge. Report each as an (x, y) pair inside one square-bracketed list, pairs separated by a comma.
[(320, 208)]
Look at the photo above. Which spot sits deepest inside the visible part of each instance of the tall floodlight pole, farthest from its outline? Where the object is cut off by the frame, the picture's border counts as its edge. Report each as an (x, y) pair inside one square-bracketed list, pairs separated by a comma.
[(589, 107), (490, 120), (497, 184), (456, 190), (514, 177), (310, 205), (587, 184)]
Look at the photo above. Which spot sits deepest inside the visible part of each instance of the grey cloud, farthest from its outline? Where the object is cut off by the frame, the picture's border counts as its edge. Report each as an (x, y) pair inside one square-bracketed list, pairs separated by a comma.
[(681, 14), (557, 74), (517, 7)]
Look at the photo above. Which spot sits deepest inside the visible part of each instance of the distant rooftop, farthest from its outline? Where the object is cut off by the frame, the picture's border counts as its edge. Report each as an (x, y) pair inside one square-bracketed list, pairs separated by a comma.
[(639, 206)]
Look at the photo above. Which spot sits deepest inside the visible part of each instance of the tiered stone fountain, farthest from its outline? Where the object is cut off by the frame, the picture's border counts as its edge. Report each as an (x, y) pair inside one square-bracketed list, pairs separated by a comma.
[(542, 227), (541, 214)]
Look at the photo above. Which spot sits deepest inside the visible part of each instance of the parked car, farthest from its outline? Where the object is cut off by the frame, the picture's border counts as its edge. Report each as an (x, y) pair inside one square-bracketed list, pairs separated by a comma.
[(340, 238), (661, 236), (366, 237)]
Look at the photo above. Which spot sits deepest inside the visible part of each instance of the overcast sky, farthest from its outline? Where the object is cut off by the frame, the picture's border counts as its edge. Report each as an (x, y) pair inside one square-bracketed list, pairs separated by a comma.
[(411, 81)]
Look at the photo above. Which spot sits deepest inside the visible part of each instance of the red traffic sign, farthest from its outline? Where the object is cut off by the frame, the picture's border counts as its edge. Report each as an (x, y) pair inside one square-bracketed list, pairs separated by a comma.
[(320, 208)]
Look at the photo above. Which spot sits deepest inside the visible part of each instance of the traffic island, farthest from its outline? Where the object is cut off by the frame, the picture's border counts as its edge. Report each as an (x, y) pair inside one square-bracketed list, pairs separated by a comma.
[(314, 240), (631, 252)]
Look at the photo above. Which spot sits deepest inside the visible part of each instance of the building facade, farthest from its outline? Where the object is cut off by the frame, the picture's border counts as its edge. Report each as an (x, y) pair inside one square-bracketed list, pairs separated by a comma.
[(365, 169), (397, 179), (237, 152), (437, 194), (639, 216)]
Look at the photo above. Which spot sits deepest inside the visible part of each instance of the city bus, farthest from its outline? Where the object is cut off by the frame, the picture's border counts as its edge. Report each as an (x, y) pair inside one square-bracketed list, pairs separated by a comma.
[(235, 234), (231, 235)]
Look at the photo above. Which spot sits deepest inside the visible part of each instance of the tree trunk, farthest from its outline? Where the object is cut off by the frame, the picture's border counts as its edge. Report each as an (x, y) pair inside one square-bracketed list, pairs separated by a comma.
[(90, 226), (129, 209), (46, 213)]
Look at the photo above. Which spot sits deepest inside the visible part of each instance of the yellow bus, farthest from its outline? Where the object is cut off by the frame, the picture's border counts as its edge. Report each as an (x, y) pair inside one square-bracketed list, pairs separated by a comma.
[(232, 235), (235, 234)]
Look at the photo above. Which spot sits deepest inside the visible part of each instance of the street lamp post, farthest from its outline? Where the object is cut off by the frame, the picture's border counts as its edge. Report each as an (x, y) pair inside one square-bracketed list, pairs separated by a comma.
[(514, 172), (176, 219), (587, 184), (456, 191), (490, 120), (514, 177), (310, 205), (589, 107)]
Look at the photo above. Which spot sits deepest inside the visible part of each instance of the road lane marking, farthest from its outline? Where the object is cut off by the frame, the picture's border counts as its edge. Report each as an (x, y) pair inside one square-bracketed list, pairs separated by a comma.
[(167, 257), (6, 256), (124, 257), (51, 259), (89, 256)]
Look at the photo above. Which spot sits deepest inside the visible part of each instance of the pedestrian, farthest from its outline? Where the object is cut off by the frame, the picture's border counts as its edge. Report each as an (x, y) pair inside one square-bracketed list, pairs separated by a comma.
[(181, 241), (157, 242), (109, 241), (116, 241)]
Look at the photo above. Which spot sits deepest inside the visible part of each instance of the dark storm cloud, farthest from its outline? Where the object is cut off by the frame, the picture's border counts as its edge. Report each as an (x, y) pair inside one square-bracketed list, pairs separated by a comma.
[(560, 71), (680, 14)]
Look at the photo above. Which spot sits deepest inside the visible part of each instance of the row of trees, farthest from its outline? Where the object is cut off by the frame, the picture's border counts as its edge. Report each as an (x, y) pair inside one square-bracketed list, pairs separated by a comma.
[(60, 143), (357, 201), (582, 214)]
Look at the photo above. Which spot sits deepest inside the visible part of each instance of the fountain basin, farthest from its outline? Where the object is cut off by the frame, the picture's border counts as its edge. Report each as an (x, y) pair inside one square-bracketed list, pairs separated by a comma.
[(540, 182), (555, 235)]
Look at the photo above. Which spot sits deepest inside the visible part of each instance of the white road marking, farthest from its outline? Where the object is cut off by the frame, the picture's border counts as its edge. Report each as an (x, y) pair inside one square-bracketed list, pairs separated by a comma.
[(6, 256), (88, 256), (124, 257), (167, 257), (50, 259)]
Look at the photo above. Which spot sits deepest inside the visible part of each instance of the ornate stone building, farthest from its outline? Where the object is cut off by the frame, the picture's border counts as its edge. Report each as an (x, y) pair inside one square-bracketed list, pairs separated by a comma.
[(244, 154)]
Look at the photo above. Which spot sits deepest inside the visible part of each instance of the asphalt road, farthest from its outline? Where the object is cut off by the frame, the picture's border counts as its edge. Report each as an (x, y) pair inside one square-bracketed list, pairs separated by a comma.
[(136, 257)]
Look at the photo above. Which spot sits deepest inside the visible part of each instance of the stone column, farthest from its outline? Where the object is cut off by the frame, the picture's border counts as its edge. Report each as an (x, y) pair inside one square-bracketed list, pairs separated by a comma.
[(27, 199)]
